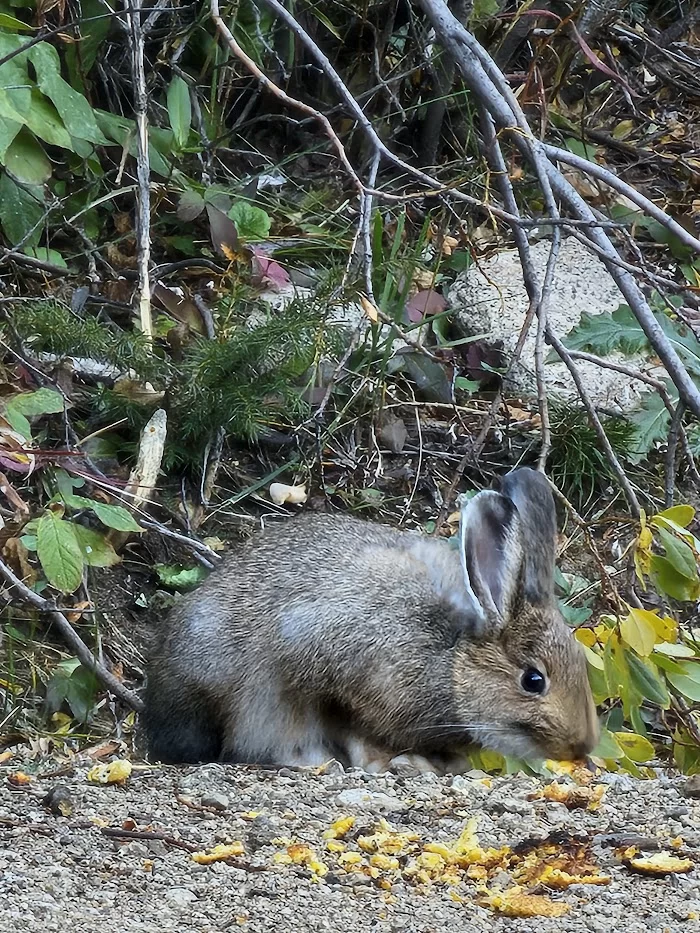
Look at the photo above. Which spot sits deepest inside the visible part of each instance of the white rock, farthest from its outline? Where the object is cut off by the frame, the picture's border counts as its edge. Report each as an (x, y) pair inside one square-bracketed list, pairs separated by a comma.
[(492, 299), (368, 800)]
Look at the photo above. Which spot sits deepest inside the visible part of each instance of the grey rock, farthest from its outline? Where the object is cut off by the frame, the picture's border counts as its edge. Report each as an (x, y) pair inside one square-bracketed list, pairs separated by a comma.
[(179, 897), (215, 801)]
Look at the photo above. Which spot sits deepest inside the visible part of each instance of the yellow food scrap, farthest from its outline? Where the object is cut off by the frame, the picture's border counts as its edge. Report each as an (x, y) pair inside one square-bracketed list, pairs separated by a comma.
[(516, 903), (251, 815), (384, 862), (340, 828), (558, 866), (298, 853), (219, 853), (349, 860), (116, 772), (19, 779), (335, 845), (387, 841), (561, 880), (662, 864), (573, 798)]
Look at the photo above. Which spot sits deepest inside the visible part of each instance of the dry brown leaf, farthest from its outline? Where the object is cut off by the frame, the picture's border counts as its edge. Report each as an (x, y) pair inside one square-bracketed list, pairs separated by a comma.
[(369, 309), (19, 779)]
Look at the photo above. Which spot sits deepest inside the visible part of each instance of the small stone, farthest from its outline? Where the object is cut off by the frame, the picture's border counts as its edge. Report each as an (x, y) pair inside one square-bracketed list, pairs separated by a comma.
[(333, 768), (180, 897), (368, 800), (691, 788), (215, 801)]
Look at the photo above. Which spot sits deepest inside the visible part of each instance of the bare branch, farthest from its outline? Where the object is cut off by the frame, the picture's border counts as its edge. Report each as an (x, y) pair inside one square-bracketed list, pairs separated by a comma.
[(72, 639), (143, 168)]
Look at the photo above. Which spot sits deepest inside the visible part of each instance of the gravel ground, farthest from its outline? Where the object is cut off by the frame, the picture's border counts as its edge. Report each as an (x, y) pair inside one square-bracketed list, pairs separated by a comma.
[(61, 873)]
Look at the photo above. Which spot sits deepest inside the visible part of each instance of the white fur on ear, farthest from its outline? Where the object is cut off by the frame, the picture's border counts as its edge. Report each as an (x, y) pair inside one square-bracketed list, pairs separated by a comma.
[(491, 555), (464, 514)]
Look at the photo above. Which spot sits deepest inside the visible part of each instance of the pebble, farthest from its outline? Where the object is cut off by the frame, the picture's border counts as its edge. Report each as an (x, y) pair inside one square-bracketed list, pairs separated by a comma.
[(215, 801)]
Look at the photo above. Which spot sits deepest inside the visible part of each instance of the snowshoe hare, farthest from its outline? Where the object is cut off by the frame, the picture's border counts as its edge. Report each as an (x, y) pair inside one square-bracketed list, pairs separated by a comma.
[(329, 636)]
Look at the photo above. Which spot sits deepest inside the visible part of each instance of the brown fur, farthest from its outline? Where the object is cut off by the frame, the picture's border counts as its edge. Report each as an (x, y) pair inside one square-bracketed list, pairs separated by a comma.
[(329, 629)]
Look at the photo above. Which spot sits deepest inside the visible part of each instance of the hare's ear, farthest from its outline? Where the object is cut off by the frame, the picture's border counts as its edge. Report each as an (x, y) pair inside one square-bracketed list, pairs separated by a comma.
[(531, 494), (493, 555)]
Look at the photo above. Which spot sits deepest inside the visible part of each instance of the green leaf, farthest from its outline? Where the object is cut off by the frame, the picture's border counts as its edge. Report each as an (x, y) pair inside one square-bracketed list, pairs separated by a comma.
[(115, 516), (669, 581), (683, 340), (179, 110), (666, 663), (252, 222), (43, 120), (651, 421), (75, 685), (29, 405), (59, 553), (679, 555), (608, 747), (685, 685), (26, 160), (604, 333), (635, 747), (644, 677), (322, 18), (11, 22), (21, 210), (76, 113), (675, 650), (97, 551), (179, 577), (46, 255)]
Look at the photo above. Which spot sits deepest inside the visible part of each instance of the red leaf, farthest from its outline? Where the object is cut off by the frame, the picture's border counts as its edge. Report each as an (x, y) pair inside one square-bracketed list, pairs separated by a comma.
[(268, 272), (423, 304)]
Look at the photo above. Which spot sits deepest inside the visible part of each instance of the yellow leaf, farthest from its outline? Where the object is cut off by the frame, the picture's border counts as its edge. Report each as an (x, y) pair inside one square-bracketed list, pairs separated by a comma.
[(636, 747), (623, 129), (680, 514), (666, 628), (586, 636), (639, 632)]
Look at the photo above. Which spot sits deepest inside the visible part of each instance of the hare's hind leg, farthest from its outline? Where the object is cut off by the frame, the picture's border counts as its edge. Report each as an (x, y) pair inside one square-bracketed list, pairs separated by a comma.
[(264, 728)]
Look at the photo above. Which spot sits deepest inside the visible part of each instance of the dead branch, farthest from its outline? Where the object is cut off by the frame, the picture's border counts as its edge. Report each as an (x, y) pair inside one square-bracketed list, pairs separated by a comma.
[(143, 168), (72, 639)]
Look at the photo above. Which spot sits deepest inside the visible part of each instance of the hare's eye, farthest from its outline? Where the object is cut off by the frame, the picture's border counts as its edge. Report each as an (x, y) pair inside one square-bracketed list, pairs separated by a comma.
[(533, 681)]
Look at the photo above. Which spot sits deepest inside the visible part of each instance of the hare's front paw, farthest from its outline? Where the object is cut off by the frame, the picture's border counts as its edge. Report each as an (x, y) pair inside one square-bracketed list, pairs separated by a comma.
[(408, 765)]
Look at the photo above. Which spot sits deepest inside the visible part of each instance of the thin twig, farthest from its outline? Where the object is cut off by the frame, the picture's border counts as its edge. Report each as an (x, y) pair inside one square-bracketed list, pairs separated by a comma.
[(72, 639)]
